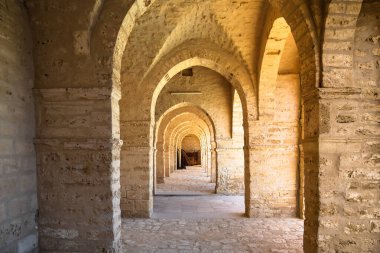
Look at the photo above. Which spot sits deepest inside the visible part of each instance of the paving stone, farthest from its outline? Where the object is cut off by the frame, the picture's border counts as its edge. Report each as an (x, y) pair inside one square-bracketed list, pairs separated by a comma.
[(213, 235), (188, 217), (192, 180)]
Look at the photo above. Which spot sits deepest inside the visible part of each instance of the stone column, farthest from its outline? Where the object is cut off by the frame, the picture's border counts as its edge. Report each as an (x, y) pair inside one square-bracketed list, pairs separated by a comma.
[(301, 191), (204, 158), (136, 169), (213, 162), (175, 159), (230, 176), (209, 162), (311, 120), (262, 199), (172, 155), (349, 170), (166, 162), (78, 162), (160, 166)]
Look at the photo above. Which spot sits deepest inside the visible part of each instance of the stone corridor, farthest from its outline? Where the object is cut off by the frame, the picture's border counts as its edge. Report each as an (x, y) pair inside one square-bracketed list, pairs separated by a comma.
[(188, 217), (190, 181), (189, 194), (272, 105)]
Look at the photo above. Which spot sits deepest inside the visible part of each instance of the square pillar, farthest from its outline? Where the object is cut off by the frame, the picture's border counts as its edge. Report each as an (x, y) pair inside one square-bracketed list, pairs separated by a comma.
[(78, 171), (136, 169)]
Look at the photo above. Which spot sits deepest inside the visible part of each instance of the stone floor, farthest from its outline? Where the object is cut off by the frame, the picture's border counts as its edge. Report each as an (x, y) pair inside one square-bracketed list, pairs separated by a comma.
[(191, 181), (212, 235), (188, 207), (189, 218), (189, 194)]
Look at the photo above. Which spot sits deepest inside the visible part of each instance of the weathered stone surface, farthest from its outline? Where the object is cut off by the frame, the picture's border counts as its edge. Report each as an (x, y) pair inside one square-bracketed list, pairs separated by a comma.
[(306, 74), (78, 172), (213, 235), (353, 178), (18, 186)]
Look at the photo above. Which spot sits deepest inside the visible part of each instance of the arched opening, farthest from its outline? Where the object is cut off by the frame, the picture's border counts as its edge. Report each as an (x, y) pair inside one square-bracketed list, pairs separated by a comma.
[(288, 111), (170, 155), (179, 59), (191, 151), (279, 114), (306, 74), (185, 116), (220, 149), (233, 58), (137, 154)]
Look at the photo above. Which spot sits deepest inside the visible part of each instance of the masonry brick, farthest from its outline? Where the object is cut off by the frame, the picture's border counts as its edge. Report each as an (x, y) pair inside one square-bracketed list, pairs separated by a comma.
[(289, 114)]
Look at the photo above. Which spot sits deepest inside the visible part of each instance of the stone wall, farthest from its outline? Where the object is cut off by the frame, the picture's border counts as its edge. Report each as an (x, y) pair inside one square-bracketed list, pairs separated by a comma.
[(230, 177), (277, 133), (277, 160), (76, 45), (77, 140), (78, 171), (18, 191), (349, 133), (191, 143)]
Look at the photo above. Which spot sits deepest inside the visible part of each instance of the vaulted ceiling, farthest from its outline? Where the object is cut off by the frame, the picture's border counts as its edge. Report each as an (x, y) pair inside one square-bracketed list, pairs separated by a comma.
[(236, 27)]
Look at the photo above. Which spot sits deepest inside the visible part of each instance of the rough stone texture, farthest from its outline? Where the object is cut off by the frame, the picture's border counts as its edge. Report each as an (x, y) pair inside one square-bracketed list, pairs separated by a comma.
[(78, 123), (191, 143), (136, 47), (213, 235), (349, 169), (18, 191), (349, 177), (275, 188), (78, 171), (366, 58)]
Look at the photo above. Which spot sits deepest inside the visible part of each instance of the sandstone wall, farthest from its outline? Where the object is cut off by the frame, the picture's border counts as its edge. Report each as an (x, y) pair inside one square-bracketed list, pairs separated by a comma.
[(349, 133), (191, 143), (77, 140), (74, 47), (277, 160), (18, 191), (277, 172), (78, 171), (230, 176)]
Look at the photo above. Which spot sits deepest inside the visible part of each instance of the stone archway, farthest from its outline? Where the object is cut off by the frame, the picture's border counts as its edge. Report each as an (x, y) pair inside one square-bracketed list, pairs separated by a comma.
[(174, 112), (95, 86), (171, 65), (279, 125), (303, 28), (180, 124), (101, 68)]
